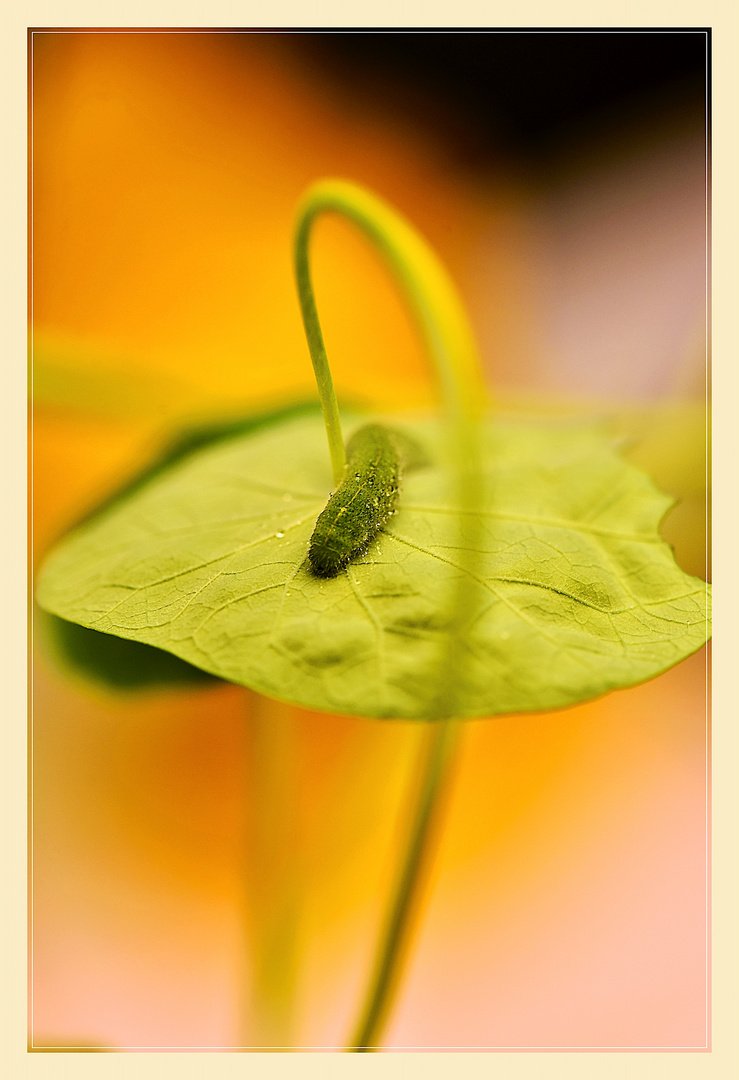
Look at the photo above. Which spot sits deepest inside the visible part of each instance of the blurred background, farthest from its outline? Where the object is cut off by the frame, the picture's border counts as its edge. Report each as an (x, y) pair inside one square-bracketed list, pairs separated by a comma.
[(209, 868)]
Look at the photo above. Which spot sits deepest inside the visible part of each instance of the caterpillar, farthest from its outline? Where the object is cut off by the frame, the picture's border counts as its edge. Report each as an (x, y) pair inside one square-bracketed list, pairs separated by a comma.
[(365, 499)]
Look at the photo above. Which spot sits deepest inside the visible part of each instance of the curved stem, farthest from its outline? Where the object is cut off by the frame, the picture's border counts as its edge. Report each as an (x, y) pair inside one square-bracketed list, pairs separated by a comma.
[(316, 346), (443, 323), (425, 283)]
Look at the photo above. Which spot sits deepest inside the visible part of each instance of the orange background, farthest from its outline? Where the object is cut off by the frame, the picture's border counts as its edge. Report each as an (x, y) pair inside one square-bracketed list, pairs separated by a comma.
[(209, 868)]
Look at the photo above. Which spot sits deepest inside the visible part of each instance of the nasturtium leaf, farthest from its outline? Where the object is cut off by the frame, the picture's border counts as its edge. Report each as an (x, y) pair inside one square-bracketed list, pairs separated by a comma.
[(574, 593), (124, 664)]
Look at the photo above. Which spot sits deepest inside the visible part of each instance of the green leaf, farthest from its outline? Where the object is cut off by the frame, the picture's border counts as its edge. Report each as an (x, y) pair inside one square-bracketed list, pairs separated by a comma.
[(575, 594), (120, 664)]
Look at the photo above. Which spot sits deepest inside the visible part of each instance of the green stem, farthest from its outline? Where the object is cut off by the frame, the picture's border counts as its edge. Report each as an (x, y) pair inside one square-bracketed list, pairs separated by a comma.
[(441, 740), (316, 346), (426, 285), (443, 323)]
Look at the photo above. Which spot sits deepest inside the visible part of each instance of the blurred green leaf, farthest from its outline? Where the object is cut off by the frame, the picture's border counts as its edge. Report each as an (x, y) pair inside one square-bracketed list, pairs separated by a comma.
[(88, 380)]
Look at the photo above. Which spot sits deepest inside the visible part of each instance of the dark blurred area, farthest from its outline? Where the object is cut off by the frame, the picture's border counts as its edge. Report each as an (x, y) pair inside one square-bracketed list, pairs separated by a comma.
[(527, 96)]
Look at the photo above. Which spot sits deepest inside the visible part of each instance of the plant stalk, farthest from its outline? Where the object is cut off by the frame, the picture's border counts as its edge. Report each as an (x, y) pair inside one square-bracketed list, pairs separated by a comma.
[(426, 286), (441, 742), (443, 323)]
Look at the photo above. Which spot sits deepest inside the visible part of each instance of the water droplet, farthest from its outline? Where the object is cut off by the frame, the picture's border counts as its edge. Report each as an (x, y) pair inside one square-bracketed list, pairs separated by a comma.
[(287, 497), (279, 535)]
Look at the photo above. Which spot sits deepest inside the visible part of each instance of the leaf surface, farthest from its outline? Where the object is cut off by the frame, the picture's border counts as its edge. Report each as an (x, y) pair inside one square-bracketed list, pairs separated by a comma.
[(121, 664), (575, 594)]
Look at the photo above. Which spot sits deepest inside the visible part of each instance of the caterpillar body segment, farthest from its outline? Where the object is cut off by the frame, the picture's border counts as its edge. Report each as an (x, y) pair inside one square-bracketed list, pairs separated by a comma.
[(365, 499)]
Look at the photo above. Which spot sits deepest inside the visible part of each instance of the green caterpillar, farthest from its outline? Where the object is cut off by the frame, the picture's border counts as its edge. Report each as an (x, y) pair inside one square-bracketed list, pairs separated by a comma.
[(364, 501)]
